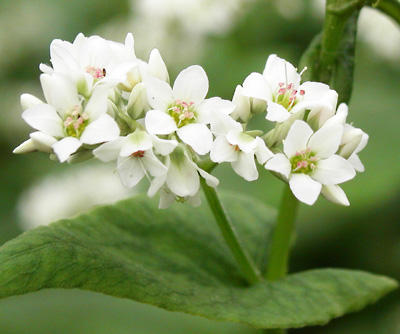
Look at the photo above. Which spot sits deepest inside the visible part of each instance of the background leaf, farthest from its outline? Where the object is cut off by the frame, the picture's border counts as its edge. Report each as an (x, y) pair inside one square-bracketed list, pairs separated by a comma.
[(175, 259)]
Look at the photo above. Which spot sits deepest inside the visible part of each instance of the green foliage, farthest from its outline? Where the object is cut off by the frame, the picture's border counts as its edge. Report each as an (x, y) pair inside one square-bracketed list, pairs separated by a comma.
[(175, 259)]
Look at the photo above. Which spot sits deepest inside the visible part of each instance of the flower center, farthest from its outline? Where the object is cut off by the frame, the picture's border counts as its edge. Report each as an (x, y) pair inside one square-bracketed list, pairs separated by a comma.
[(304, 162), (287, 96), (235, 147), (75, 122), (96, 73), (182, 112), (138, 154)]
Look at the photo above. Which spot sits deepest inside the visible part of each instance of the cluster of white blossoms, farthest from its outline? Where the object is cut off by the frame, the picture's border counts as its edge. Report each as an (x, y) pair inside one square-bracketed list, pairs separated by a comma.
[(102, 101)]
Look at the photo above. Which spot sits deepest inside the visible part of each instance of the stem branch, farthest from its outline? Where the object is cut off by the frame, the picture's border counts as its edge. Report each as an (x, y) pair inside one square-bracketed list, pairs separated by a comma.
[(244, 261)]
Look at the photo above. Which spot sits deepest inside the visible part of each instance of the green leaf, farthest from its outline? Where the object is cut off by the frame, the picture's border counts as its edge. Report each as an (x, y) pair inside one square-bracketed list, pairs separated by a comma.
[(175, 259)]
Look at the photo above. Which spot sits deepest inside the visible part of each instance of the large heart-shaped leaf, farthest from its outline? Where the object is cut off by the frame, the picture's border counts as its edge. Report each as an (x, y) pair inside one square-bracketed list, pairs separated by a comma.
[(175, 259)]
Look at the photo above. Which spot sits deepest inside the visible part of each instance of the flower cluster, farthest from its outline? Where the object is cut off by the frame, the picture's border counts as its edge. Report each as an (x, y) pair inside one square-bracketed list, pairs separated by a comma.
[(102, 101)]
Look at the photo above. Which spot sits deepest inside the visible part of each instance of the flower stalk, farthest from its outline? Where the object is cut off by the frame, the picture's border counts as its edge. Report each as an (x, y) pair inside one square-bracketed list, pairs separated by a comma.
[(245, 263), (283, 234)]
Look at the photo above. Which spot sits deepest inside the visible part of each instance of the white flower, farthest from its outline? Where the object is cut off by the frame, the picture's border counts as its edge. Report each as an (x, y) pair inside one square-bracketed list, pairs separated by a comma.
[(67, 193), (183, 109), (279, 86), (66, 122), (182, 179), (91, 60), (135, 156), (309, 161), (234, 145), (353, 140)]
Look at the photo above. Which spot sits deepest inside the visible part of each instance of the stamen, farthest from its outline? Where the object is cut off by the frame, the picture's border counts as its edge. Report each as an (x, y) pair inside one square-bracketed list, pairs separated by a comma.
[(138, 154)]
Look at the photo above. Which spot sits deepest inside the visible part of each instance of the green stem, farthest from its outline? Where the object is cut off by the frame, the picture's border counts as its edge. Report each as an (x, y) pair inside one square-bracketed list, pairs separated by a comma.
[(281, 240), (244, 261)]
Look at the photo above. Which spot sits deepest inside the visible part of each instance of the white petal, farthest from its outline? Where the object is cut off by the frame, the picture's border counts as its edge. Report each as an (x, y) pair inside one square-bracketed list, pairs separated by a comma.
[(335, 194), (183, 178), (191, 85), (256, 86), (97, 105), (317, 91), (325, 142), (276, 112), (245, 142), (356, 163), (195, 200), (159, 123), (28, 101), (130, 45), (46, 68), (198, 136), (163, 146), (209, 109), (297, 138), (280, 164), (109, 151), (101, 130), (26, 147), (44, 118), (333, 170), (156, 184), (65, 147), (245, 166), (157, 66), (363, 143), (278, 70), (222, 124), (59, 91), (350, 141), (305, 188), (153, 165), (211, 180), (222, 151), (130, 171), (262, 151), (242, 105), (166, 199), (339, 118), (137, 141), (42, 141), (159, 93), (63, 56)]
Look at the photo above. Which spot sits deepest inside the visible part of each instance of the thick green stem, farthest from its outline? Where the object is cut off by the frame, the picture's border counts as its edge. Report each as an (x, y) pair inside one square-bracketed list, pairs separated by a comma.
[(243, 260), (281, 240)]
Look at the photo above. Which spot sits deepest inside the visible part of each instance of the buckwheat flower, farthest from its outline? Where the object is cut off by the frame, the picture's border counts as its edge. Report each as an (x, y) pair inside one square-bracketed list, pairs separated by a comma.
[(280, 87), (91, 60), (353, 140), (309, 162), (182, 179), (66, 121), (135, 156), (234, 145), (183, 109)]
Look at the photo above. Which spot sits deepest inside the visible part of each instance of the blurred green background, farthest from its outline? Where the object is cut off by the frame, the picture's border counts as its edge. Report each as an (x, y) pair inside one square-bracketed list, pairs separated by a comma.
[(230, 38)]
